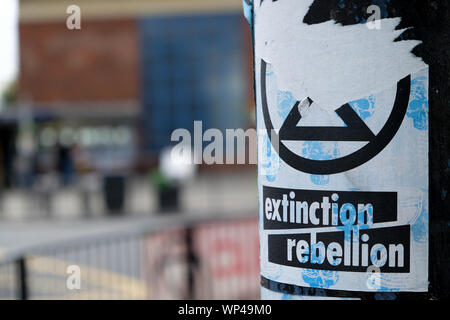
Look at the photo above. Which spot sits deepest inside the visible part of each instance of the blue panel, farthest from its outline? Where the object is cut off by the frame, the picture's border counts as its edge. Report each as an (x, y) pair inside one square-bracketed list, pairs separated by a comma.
[(187, 65)]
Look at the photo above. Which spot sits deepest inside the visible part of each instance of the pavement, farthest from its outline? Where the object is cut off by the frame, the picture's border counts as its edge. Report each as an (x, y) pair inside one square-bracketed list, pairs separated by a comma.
[(108, 249), (232, 191)]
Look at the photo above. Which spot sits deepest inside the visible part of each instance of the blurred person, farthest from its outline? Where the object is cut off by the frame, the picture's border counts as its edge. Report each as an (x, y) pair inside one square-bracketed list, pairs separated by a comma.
[(65, 164)]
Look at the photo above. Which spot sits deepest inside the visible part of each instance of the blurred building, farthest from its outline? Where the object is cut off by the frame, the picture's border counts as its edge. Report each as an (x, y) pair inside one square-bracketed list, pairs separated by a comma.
[(137, 70)]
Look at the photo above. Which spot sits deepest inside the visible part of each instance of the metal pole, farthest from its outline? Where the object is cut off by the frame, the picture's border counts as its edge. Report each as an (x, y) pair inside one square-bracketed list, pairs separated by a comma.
[(22, 279), (191, 260), (354, 165)]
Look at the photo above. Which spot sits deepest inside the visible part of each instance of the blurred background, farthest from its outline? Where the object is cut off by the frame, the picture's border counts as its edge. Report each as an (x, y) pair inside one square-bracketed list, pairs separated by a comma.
[(86, 118)]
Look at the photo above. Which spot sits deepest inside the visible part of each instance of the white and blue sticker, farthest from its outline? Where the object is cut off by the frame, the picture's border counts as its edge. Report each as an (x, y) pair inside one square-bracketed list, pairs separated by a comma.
[(343, 161)]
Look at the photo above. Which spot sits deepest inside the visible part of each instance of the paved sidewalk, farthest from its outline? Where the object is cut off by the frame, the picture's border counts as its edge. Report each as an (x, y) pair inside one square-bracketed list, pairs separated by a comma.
[(231, 191)]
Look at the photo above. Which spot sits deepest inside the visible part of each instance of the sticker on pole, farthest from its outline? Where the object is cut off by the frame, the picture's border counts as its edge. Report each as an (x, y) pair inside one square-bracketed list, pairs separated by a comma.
[(343, 161)]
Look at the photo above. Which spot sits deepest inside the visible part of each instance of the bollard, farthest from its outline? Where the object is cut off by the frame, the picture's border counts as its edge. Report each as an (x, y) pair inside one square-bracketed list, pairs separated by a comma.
[(353, 165), (22, 279)]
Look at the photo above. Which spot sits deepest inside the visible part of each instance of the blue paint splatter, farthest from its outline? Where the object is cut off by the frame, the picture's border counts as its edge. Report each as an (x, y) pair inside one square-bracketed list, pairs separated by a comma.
[(385, 296), (285, 102), (419, 227), (270, 160), (418, 105), (316, 150), (248, 11), (286, 296), (365, 108), (320, 278)]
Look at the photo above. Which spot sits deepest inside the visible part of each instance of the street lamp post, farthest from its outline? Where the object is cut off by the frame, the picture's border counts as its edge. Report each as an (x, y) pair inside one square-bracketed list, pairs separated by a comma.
[(352, 102)]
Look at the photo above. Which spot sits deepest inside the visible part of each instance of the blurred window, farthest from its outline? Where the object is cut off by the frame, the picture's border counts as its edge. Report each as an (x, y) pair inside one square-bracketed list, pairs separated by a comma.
[(193, 69)]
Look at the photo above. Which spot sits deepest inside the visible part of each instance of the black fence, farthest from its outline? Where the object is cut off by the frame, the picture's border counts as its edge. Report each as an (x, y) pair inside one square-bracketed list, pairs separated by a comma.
[(182, 259)]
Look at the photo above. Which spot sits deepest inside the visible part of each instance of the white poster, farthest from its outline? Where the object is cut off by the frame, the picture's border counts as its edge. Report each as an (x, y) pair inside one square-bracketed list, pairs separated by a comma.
[(343, 161)]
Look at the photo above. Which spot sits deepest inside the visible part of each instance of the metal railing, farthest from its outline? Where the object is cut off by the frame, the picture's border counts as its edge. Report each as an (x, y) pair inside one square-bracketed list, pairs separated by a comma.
[(177, 257)]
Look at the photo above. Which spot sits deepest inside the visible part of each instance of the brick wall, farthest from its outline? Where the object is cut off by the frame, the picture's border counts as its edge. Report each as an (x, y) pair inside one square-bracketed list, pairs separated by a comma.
[(98, 63)]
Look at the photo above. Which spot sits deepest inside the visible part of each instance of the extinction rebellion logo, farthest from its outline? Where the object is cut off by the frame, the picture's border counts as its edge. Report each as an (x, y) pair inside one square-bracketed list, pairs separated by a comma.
[(355, 130), (359, 241), (359, 228)]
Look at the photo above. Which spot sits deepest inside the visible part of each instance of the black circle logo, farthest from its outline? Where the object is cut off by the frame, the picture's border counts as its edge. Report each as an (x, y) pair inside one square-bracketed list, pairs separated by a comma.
[(355, 130)]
